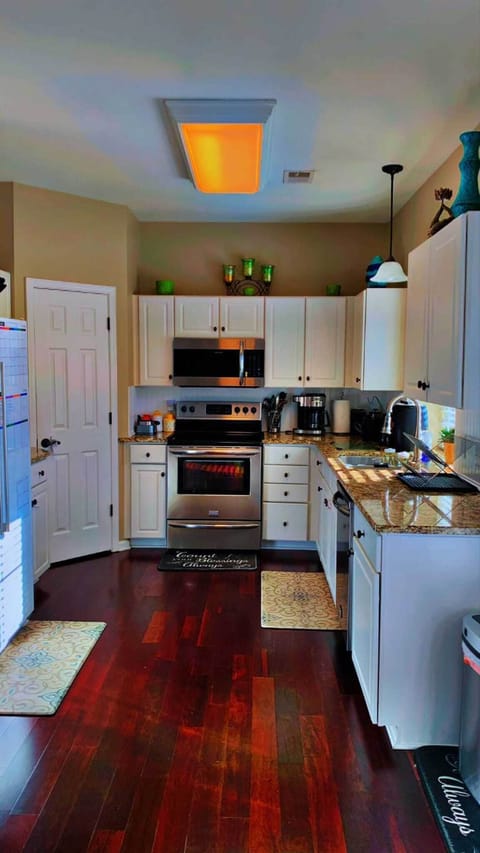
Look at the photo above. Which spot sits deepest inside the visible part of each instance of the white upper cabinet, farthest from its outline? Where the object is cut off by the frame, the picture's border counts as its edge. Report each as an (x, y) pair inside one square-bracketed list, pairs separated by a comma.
[(375, 339), (442, 337), (196, 317), (155, 336), (325, 341), (213, 317), (304, 341), (284, 340), (242, 317)]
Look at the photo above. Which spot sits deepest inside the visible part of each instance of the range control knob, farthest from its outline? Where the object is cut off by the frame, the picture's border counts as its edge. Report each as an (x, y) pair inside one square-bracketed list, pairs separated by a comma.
[(237, 410), (245, 410), (254, 409), (183, 408), (192, 408)]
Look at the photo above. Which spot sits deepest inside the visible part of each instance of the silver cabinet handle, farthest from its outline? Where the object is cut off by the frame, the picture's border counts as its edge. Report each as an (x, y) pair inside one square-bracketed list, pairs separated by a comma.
[(195, 525)]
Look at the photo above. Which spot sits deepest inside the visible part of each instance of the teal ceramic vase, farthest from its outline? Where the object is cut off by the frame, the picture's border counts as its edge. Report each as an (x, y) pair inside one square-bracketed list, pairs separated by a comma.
[(468, 196)]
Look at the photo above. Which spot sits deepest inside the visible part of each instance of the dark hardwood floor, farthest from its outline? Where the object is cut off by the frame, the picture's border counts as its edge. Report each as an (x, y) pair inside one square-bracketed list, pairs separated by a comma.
[(190, 729)]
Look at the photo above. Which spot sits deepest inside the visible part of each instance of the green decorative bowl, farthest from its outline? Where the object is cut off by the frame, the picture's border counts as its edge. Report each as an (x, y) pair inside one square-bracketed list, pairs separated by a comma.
[(164, 286)]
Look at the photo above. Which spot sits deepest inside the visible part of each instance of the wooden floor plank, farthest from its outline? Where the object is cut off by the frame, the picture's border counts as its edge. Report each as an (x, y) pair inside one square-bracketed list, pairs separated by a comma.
[(197, 730), (265, 819)]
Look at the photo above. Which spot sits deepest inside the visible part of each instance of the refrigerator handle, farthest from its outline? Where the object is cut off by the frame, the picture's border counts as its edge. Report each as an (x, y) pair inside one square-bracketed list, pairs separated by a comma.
[(4, 503)]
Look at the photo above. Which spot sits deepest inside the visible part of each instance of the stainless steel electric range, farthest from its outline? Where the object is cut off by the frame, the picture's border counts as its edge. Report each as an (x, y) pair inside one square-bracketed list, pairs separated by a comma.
[(214, 476)]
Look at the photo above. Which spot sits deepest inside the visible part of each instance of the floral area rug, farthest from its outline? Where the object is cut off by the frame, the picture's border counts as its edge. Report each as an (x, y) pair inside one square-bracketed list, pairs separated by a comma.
[(302, 600), (40, 663)]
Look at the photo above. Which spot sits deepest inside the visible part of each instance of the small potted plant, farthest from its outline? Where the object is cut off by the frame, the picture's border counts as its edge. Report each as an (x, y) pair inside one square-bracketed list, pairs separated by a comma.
[(447, 437)]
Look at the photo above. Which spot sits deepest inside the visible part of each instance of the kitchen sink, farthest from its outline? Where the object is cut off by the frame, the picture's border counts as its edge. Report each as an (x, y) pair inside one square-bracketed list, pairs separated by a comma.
[(365, 461)]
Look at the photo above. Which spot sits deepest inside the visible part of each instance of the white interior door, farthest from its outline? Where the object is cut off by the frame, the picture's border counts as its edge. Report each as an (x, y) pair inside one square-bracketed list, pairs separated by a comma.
[(73, 408)]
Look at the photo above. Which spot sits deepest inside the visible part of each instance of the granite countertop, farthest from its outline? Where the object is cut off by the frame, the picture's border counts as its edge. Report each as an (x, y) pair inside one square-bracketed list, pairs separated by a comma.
[(387, 504)]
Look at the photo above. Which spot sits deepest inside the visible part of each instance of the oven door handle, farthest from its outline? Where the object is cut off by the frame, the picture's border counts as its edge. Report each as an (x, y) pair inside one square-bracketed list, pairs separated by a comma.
[(195, 525), (207, 452)]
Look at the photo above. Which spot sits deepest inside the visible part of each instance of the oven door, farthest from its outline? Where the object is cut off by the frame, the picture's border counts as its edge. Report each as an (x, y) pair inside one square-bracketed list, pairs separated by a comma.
[(214, 497)]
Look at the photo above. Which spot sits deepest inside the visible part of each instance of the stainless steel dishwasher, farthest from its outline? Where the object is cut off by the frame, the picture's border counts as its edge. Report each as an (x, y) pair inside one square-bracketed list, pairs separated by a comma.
[(344, 506)]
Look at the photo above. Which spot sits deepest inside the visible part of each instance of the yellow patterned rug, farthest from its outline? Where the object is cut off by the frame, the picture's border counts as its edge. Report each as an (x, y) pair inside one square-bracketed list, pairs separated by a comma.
[(302, 600), (40, 663)]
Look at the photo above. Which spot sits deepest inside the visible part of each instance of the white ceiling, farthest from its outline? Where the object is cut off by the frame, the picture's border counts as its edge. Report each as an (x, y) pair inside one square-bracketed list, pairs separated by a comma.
[(358, 83)]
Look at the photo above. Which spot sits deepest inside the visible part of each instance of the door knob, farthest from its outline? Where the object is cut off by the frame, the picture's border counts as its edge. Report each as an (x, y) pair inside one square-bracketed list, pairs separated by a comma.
[(48, 442)]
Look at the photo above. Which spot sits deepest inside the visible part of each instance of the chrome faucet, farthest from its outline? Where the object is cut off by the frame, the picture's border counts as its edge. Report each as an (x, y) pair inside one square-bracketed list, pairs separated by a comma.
[(387, 423)]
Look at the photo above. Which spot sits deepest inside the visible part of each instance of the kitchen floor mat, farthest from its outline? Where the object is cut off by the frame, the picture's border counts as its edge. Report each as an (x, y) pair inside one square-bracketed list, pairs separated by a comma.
[(301, 600), (456, 812), (40, 663), (207, 560)]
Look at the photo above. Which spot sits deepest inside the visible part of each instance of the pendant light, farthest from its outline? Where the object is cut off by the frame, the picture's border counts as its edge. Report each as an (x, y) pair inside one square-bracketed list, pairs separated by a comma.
[(390, 272)]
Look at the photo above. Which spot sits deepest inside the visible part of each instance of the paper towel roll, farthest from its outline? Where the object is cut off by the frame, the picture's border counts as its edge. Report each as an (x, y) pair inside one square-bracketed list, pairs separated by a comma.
[(341, 416)]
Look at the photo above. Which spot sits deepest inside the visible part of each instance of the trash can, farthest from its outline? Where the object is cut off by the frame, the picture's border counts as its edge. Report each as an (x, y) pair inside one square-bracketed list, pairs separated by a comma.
[(469, 748)]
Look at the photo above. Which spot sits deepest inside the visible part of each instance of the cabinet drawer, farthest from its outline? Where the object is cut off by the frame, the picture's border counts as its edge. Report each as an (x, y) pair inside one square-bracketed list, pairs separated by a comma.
[(38, 473), (285, 474), (148, 453), (276, 454), (285, 521), (287, 492), (368, 540)]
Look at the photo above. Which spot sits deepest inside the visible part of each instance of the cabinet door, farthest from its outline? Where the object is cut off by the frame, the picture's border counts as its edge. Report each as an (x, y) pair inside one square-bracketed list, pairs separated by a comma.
[(365, 618), (148, 501), (384, 338), (325, 341), (40, 530), (155, 330), (196, 317), (416, 331), (242, 317), (327, 542), (446, 314), (355, 330), (284, 341)]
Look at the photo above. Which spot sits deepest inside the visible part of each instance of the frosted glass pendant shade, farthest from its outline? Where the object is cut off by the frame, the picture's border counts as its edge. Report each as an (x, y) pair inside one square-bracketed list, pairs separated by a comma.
[(390, 272)]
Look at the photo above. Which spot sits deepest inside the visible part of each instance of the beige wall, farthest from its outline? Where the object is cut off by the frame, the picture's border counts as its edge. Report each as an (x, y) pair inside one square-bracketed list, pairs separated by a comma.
[(307, 257), (6, 226), (413, 220), (68, 238)]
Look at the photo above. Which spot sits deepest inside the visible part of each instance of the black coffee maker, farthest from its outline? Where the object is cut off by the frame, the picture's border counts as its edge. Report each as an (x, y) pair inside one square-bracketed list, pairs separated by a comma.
[(312, 415)]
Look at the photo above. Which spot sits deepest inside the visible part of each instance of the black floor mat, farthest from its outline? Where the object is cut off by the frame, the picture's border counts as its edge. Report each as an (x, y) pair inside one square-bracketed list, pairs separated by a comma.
[(456, 812), (207, 560)]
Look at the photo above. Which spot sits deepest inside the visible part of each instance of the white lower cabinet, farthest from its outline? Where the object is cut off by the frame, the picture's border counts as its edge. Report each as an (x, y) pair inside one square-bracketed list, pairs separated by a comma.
[(365, 603), (323, 516), (40, 524), (410, 593), (147, 491), (285, 492)]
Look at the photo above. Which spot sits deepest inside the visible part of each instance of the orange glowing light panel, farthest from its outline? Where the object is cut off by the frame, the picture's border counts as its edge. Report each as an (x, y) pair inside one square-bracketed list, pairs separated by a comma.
[(224, 158)]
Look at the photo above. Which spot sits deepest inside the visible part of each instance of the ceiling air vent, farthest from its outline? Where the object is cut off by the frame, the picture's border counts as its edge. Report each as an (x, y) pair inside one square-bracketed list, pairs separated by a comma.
[(303, 177)]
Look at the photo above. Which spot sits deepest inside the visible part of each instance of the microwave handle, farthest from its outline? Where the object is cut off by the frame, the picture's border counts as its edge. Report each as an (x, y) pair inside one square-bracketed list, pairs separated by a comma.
[(241, 361)]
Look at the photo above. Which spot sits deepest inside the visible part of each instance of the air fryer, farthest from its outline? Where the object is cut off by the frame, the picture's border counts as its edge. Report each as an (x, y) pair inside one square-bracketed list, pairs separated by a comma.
[(404, 419)]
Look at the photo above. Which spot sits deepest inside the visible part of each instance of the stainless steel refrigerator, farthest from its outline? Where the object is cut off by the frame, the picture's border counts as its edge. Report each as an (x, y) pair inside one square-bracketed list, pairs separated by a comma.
[(16, 559)]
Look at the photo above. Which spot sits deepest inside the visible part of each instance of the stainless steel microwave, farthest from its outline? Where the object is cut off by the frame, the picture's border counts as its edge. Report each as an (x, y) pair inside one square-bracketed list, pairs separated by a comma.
[(219, 362)]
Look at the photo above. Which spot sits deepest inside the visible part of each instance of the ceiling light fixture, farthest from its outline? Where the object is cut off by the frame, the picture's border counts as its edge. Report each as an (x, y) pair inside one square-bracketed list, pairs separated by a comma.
[(225, 143), (390, 272)]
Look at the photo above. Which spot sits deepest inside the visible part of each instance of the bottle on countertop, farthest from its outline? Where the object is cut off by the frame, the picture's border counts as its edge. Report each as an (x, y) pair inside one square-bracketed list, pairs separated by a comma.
[(157, 417), (169, 418)]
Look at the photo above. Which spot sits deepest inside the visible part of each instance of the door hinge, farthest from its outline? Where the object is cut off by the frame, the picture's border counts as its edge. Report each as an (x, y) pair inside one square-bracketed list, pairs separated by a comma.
[(111, 510), (108, 324), (110, 418)]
